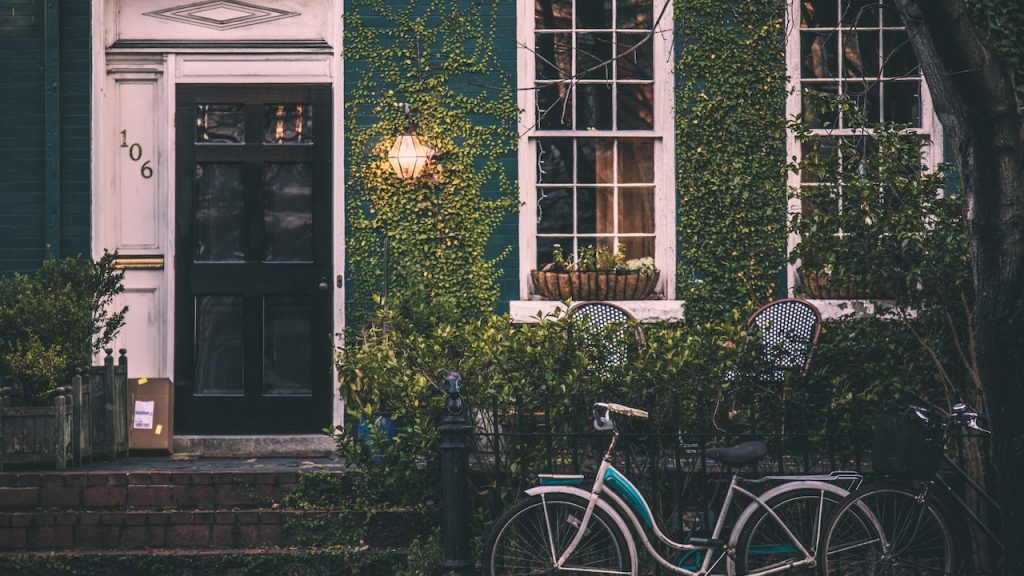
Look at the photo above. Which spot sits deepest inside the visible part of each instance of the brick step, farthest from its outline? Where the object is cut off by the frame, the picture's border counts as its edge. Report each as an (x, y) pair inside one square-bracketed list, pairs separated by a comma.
[(304, 562), (220, 529), (151, 490)]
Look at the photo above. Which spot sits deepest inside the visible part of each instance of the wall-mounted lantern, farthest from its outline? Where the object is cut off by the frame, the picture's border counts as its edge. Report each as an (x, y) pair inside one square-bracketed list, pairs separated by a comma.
[(408, 156)]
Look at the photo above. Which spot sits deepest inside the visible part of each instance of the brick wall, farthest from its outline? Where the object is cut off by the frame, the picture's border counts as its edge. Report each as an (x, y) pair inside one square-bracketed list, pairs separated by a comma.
[(22, 123)]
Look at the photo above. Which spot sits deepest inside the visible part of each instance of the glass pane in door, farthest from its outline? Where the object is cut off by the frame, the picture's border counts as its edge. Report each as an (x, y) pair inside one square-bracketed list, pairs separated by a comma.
[(220, 345), (288, 212), (220, 212), (220, 124), (286, 346), (288, 124)]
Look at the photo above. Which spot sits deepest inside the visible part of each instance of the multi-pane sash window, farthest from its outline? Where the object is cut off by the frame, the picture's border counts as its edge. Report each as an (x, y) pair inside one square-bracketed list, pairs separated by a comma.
[(592, 80), (859, 51)]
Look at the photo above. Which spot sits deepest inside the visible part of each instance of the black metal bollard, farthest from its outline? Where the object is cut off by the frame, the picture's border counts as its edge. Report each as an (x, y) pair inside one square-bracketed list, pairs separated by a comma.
[(455, 447)]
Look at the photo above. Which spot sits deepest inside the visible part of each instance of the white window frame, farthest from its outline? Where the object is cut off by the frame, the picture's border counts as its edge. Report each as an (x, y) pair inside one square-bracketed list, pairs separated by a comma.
[(663, 135), (932, 154)]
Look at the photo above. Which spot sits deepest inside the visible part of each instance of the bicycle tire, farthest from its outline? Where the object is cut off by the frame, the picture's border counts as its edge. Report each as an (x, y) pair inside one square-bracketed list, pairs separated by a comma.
[(763, 545), (519, 544), (903, 537)]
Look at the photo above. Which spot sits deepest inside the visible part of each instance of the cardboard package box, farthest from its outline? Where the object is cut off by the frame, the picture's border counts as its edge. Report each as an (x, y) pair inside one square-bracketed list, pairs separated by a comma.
[(152, 414)]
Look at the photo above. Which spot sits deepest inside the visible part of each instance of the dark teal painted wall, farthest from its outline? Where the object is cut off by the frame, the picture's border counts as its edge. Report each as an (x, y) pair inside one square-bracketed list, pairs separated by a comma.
[(22, 121), (507, 234)]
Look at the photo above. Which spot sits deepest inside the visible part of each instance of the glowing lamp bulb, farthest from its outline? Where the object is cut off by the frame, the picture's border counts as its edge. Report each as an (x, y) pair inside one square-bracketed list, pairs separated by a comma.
[(408, 156)]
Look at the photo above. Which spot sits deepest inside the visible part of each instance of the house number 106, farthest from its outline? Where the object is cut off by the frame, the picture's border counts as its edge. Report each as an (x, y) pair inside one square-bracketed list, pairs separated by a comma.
[(135, 153)]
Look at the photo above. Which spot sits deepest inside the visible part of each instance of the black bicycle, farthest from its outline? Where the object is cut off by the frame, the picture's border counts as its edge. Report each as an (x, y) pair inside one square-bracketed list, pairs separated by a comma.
[(900, 525)]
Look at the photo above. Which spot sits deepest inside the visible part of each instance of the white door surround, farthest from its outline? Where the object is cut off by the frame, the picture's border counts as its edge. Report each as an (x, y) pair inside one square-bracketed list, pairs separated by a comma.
[(141, 50)]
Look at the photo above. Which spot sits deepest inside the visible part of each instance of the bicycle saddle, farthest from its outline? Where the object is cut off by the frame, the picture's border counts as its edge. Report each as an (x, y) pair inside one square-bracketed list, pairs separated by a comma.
[(739, 455)]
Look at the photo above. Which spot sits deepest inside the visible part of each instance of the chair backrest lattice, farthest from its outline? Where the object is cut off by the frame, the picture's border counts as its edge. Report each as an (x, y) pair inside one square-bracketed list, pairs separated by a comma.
[(591, 326), (789, 330)]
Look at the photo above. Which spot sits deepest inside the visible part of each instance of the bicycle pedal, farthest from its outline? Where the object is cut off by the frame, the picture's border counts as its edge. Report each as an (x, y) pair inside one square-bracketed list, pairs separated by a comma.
[(705, 542)]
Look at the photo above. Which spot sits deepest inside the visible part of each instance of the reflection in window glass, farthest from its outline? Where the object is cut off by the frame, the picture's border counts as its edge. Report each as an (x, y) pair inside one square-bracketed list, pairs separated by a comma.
[(875, 58), (602, 205), (287, 363), (219, 212), (288, 212), (635, 14), (635, 57), (288, 124), (220, 123), (220, 345), (553, 14), (607, 50)]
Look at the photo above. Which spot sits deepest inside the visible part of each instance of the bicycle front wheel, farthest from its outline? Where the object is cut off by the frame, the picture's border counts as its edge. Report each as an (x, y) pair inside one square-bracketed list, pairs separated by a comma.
[(534, 533), (887, 529)]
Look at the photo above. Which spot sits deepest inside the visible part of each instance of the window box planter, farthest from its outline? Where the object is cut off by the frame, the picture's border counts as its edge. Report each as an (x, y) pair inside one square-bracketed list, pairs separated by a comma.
[(34, 434), (594, 285), (819, 285)]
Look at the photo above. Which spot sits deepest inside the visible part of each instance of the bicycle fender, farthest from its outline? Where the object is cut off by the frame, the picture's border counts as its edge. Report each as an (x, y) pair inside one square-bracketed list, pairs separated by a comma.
[(604, 506), (737, 529)]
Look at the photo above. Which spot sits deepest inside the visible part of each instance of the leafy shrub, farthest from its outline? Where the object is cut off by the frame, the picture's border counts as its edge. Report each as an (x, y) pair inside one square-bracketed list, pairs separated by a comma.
[(55, 320), (877, 218), (395, 370)]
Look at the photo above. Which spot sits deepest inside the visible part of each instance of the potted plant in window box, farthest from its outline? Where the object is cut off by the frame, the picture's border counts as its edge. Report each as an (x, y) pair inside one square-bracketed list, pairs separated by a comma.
[(596, 274), (52, 323)]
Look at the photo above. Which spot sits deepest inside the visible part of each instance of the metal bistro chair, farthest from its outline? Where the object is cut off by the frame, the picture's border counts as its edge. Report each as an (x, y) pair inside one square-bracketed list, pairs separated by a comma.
[(789, 330), (590, 327)]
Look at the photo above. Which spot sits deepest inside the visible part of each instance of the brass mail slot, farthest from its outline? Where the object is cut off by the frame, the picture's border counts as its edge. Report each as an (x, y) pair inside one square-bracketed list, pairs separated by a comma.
[(142, 262)]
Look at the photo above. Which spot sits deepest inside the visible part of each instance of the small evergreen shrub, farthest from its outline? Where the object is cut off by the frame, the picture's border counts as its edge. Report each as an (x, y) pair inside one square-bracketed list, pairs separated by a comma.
[(55, 320)]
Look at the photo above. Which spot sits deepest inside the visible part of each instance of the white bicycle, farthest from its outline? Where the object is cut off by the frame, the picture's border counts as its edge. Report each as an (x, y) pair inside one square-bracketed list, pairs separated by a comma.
[(562, 528)]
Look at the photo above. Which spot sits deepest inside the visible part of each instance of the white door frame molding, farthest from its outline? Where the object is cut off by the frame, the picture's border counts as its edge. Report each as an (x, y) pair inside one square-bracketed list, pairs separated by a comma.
[(138, 59)]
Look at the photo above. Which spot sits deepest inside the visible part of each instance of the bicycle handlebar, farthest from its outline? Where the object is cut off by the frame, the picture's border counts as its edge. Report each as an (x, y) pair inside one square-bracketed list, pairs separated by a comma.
[(620, 409), (962, 415)]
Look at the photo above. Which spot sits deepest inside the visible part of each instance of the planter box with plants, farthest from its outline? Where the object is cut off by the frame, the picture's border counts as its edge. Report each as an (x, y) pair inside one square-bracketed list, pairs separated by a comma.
[(36, 432), (51, 323), (596, 274)]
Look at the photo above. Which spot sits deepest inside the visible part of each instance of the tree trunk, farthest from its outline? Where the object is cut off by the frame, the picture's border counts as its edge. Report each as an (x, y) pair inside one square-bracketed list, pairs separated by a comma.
[(973, 94)]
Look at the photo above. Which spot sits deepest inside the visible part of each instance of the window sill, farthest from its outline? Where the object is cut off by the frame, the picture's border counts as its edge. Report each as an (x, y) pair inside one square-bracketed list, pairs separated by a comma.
[(836, 309), (530, 311)]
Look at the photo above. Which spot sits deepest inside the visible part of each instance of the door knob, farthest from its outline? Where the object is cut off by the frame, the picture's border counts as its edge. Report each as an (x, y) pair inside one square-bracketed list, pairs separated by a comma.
[(323, 285)]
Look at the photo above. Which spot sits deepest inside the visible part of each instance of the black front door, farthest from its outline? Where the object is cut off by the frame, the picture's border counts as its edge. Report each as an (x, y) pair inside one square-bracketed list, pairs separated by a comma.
[(253, 264)]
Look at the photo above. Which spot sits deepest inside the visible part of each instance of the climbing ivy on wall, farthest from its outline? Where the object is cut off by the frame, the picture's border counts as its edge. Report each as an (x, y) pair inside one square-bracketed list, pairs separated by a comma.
[(730, 147), (437, 56)]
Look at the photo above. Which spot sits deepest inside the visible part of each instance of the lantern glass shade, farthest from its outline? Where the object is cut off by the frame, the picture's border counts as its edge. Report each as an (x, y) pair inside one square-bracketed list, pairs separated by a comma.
[(408, 156)]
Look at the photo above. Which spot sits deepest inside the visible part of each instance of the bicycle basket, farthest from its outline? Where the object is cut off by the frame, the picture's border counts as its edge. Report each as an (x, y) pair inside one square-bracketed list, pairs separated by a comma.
[(906, 447)]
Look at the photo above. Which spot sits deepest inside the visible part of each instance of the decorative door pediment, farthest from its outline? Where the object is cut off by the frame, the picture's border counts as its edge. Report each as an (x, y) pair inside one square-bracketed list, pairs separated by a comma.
[(251, 23)]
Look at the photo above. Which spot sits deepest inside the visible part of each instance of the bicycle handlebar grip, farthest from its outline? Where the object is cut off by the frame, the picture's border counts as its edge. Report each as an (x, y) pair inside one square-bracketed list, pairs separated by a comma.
[(620, 409)]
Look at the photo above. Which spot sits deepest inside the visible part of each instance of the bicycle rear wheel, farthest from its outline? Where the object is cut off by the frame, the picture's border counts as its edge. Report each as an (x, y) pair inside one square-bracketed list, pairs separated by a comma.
[(763, 544), (523, 539), (886, 529)]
